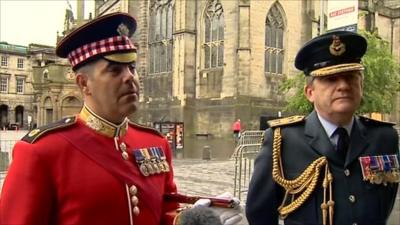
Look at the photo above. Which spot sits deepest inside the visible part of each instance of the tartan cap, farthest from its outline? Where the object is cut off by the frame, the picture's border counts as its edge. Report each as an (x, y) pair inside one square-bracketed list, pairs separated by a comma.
[(332, 53), (107, 36)]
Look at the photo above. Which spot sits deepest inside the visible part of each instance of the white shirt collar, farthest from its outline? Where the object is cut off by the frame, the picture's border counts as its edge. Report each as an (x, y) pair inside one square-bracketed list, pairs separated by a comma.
[(331, 127)]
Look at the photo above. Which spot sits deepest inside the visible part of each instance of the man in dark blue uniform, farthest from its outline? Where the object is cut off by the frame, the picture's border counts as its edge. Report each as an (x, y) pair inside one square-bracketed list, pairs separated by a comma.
[(331, 167)]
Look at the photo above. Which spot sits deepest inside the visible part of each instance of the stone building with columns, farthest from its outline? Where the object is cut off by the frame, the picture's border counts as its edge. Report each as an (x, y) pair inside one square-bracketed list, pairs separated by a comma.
[(36, 87), (16, 93), (207, 63)]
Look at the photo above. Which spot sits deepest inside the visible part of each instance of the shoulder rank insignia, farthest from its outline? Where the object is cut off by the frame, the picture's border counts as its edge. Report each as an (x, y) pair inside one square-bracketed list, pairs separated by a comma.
[(374, 121), (34, 134), (285, 121), (146, 128)]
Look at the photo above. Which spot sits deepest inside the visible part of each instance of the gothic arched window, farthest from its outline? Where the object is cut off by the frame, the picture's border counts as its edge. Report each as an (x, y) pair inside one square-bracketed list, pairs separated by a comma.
[(274, 31), (213, 42), (160, 36)]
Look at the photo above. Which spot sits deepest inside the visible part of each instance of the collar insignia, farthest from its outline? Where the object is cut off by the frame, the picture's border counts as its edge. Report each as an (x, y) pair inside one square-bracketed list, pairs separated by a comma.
[(337, 48), (94, 123), (101, 125)]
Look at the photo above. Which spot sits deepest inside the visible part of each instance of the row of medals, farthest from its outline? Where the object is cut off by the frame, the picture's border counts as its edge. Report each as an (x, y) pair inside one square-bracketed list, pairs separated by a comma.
[(150, 160), (380, 169)]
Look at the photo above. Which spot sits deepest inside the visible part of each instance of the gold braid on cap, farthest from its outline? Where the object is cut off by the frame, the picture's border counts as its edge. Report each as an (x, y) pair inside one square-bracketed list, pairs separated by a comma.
[(301, 188), (340, 68)]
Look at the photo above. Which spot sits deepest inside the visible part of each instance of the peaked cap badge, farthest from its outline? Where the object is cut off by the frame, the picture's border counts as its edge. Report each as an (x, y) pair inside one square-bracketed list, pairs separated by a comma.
[(337, 48), (123, 30)]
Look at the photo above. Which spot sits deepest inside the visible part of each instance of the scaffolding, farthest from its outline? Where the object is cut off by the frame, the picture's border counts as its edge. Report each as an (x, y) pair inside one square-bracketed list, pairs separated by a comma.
[(245, 152)]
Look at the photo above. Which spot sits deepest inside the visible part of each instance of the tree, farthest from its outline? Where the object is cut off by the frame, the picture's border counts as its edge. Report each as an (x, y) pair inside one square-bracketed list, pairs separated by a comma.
[(381, 81)]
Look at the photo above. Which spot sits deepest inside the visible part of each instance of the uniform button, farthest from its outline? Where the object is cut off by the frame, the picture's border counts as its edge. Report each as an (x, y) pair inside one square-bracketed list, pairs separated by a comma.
[(352, 198), (347, 172), (354, 223), (133, 190), (134, 200), (135, 210)]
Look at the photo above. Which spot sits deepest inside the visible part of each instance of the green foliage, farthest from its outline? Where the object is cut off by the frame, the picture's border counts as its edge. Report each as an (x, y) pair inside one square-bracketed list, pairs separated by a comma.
[(381, 81), (382, 76), (296, 100)]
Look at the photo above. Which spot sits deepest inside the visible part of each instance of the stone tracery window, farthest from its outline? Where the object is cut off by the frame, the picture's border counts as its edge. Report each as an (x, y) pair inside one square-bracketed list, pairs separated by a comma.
[(274, 49), (213, 42), (160, 36)]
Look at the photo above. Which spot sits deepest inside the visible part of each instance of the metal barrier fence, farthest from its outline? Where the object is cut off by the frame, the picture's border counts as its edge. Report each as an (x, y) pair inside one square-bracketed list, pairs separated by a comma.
[(244, 155), (7, 141), (6, 147)]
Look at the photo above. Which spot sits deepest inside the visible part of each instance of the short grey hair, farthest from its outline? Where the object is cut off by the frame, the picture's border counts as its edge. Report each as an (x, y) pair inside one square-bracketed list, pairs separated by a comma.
[(86, 69), (309, 80)]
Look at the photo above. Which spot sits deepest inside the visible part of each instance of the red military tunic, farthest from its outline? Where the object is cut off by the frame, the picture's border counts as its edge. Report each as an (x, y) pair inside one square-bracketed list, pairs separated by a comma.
[(76, 175)]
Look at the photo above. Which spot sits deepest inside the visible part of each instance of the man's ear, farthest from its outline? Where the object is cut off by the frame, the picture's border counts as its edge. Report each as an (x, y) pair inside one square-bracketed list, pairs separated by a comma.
[(308, 92), (82, 82)]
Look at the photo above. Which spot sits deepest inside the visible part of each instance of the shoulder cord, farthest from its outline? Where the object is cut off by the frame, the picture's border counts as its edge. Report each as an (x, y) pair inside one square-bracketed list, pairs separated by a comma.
[(303, 185)]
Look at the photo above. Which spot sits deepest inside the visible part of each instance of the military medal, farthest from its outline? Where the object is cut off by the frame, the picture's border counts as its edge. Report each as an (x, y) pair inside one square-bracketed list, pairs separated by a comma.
[(382, 169), (395, 168), (144, 170), (159, 160), (147, 161), (365, 162), (375, 167), (139, 157), (163, 160), (153, 160)]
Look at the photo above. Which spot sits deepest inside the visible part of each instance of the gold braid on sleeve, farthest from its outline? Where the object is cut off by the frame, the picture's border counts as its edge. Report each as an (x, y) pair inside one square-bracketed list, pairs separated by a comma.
[(301, 187)]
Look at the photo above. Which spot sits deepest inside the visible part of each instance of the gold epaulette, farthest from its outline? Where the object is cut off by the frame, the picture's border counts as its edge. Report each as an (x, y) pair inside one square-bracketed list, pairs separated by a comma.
[(34, 134), (285, 121), (375, 121), (146, 128)]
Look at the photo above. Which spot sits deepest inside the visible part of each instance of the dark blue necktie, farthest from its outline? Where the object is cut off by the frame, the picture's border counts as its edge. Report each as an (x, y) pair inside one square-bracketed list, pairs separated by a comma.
[(343, 141)]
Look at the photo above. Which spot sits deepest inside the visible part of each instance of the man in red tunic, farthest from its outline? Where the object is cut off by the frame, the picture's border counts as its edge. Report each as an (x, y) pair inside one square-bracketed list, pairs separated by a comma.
[(96, 167)]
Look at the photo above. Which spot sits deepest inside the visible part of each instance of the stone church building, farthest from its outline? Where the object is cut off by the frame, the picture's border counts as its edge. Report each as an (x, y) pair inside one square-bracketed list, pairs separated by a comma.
[(207, 63)]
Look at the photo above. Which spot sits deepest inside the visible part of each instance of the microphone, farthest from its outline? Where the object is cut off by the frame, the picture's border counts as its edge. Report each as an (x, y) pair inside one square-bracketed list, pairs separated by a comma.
[(199, 216)]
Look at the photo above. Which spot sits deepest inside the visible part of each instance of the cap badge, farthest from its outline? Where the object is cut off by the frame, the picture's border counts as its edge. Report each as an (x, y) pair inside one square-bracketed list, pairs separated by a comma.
[(123, 30), (337, 48)]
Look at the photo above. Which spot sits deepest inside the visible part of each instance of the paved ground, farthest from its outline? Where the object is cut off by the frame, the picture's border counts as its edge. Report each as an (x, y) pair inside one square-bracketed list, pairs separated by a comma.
[(210, 178), (215, 177), (199, 177)]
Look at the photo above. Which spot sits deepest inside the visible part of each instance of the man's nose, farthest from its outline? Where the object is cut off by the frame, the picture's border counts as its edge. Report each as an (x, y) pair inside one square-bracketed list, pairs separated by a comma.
[(128, 75), (343, 82)]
